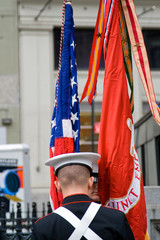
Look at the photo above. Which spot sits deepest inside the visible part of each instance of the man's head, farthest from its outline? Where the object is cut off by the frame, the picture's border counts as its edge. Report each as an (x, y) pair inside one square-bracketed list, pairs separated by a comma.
[(74, 172), (74, 179)]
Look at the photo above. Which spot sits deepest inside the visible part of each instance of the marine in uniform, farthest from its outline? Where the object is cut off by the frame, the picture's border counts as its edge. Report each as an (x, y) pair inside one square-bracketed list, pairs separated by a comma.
[(79, 217)]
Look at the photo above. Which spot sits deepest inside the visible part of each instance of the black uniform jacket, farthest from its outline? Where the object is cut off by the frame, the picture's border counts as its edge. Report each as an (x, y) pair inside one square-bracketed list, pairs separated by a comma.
[(108, 223)]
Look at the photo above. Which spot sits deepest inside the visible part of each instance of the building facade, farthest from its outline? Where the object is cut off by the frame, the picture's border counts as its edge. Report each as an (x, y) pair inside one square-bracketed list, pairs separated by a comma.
[(9, 73), (28, 72)]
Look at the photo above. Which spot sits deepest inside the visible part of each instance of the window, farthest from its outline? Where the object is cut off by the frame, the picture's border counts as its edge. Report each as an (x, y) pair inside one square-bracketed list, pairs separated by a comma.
[(89, 121), (84, 37), (152, 42), (88, 135)]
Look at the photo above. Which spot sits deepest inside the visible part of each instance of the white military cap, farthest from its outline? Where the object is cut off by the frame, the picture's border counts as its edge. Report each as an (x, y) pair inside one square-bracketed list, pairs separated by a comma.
[(87, 159)]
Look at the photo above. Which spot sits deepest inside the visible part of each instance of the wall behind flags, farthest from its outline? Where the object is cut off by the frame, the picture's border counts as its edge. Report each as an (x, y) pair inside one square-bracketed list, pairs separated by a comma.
[(9, 73), (28, 74)]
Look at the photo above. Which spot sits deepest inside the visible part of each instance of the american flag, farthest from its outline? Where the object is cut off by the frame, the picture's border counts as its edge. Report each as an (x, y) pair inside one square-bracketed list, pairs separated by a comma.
[(65, 123)]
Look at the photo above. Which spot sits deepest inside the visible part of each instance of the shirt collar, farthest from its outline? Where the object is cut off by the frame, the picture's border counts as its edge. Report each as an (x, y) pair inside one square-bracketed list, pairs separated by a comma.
[(76, 198)]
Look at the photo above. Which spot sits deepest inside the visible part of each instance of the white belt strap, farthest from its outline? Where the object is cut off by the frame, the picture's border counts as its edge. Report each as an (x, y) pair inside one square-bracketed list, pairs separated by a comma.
[(81, 226)]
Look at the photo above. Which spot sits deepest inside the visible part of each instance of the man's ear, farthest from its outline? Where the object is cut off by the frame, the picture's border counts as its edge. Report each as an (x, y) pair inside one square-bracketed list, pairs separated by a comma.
[(58, 185), (90, 182)]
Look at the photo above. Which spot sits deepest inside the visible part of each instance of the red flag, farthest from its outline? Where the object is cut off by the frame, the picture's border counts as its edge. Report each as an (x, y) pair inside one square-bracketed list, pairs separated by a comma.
[(120, 177)]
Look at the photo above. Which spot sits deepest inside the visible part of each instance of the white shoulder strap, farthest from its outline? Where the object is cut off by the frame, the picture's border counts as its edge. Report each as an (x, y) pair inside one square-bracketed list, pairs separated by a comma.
[(85, 221), (81, 226)]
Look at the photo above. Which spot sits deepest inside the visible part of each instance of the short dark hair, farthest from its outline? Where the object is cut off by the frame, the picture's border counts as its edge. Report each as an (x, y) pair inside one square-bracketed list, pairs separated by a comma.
[(74, 174)]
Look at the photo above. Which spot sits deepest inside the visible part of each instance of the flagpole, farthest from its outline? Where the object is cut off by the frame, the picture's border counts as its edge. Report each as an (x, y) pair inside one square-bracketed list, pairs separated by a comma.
[(65, 123)]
